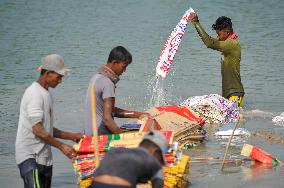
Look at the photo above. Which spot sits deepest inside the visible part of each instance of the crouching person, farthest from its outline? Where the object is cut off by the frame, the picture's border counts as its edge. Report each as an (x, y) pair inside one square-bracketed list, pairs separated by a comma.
[(124, 167)]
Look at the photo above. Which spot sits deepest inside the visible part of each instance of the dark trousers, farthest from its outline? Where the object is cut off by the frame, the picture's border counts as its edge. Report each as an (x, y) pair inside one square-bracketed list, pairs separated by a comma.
[(104, 185), (35, 175)]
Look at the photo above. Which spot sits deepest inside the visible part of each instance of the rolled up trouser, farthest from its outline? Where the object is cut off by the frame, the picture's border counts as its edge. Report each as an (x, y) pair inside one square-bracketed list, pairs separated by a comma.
[(238, 98), (35, 175)]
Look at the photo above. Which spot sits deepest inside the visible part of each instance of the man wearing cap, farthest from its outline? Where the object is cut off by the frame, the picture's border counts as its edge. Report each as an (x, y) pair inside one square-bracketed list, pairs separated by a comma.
[(105, 82), (36, 133), (124, 167), (229, 44)]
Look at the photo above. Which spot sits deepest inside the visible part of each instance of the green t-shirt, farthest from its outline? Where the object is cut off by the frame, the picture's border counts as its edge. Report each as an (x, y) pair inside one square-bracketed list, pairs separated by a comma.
[(230, 65)]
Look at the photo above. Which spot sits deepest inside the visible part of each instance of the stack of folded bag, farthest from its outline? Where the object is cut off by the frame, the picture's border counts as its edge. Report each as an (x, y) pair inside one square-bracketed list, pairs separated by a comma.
[(85, 165), (182, 120), (213, 108)]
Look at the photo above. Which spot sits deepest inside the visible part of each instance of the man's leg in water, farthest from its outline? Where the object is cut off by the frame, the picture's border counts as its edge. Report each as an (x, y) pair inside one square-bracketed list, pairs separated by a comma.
[(35, 175), (238, 98)]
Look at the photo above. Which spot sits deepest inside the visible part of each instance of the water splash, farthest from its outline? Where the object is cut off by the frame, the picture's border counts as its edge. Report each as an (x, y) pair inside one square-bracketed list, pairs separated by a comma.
[(160, 90), (157, 91)]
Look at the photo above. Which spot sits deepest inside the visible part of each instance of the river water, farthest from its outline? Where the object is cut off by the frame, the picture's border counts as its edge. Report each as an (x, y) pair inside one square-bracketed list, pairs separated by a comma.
[(84, 32)]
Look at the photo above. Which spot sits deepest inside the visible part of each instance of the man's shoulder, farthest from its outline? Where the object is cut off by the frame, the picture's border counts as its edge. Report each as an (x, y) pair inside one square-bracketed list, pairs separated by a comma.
[(32, 90), (233, 45), (234, 41), (101, 80), (35, 92), (100, 77)]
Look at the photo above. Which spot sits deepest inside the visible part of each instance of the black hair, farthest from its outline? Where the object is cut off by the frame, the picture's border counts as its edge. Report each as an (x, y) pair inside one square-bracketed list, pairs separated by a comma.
[(119, 53), (222, 23), (43, 71), (149, 144)]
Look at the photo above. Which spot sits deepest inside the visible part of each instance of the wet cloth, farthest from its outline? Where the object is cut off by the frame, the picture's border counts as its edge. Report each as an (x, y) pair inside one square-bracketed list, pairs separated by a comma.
[(35, 175), (237, 132), (172, 45), (230, 66), (227, 130), (134, 165), (36, 106), (104, 83)]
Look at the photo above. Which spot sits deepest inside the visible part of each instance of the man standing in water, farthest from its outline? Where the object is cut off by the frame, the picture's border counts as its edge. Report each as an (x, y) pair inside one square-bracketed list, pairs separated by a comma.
[(104, 82), (229, 44), (36, 133)]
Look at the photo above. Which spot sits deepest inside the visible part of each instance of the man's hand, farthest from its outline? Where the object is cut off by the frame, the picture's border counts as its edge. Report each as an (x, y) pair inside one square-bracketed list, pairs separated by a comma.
[(66, 135), (68, 151), (144, 115), (193, 17), (77, 137)]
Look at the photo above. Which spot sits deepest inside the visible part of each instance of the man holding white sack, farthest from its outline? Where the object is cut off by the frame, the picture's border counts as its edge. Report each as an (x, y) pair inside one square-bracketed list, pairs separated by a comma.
[(229, 45)]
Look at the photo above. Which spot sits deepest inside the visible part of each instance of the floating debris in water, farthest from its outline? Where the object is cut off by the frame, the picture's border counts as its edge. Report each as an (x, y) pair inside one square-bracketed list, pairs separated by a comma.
[(260, 155), (227, 130), (237, 132), (279, 120), (270, 137)]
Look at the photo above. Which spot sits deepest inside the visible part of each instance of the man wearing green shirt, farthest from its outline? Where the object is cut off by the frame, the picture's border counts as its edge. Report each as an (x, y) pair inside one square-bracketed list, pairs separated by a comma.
[(229, 45)]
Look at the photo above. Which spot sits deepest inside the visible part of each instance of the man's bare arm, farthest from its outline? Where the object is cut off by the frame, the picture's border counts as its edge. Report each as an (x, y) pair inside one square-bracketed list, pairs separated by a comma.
[(66, 135), (121, 113), (107, 116), (39, 131)]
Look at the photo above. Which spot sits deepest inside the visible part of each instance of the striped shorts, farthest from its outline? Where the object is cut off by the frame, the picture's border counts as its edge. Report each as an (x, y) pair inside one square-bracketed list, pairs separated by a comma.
[(35, 175)]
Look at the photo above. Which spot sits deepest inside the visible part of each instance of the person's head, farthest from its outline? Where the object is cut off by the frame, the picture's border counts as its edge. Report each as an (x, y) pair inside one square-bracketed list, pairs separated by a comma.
[(119, 58), (156, 144), (223, 27), (52, 70)]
